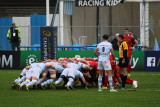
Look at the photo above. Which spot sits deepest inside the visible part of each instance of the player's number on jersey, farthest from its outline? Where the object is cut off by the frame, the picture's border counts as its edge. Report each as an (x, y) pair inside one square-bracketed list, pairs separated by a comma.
[(103, 49)]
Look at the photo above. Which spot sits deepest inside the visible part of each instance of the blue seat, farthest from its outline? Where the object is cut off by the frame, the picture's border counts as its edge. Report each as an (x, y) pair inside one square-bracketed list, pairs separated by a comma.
[(139, 47), (76, 49), (92, 48), (60, 49), (35, 49)]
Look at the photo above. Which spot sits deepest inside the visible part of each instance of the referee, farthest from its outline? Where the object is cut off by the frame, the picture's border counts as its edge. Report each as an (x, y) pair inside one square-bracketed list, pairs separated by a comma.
[(123, 60)]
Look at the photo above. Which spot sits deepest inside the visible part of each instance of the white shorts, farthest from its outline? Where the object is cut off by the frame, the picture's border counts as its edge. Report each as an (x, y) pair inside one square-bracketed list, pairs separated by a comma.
[(29, 73), (68, 72), (51, 69), (36, 72), (104, 65)]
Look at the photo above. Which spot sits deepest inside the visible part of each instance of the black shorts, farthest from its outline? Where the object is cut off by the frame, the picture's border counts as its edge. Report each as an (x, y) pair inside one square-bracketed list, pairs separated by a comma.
[(124, 65)]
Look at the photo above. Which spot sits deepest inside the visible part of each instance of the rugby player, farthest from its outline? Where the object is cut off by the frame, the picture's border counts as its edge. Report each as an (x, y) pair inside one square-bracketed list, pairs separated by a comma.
[(102, 52), (128, 37)]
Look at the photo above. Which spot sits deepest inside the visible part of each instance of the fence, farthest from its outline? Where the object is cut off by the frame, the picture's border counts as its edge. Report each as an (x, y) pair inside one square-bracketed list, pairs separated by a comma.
[(83, 35)]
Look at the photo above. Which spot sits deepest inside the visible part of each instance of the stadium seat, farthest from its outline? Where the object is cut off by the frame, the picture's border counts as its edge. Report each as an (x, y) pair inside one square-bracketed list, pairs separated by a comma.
[(92, 48), (35, 49), (60, 49), (138, 48), (94, 45), (76, 49)]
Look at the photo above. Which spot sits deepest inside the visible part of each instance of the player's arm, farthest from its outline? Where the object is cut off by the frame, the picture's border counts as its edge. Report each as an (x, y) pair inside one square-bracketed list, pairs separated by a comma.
[(84, 82), (96, 52), (136, 43), (83, 61), (28, 67), (125, 51), (113, 55), (49, 60), (51, 66)]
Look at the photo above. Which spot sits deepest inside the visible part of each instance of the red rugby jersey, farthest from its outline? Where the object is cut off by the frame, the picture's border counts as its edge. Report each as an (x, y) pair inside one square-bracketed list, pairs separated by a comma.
[(129, 39)]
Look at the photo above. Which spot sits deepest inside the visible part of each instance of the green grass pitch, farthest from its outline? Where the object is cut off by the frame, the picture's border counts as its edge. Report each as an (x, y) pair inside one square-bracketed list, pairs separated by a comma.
[(147, 94)]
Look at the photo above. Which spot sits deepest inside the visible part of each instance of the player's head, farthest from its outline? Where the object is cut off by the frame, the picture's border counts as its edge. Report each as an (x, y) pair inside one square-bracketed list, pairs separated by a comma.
[(126, 32), (131, 33), (117, 35), (13, 24), (105, 37), (121, 38)]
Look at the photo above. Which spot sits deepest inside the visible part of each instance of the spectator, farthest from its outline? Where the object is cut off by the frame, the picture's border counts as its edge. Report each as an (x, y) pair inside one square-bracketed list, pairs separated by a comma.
[(14, 37), (114, 42)]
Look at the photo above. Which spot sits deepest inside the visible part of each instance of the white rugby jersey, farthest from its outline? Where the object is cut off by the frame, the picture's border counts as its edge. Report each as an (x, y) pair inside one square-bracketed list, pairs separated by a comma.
[(34, 64), (104, 51), (42, 66), (24, 72), (59, 68), (73, 65)]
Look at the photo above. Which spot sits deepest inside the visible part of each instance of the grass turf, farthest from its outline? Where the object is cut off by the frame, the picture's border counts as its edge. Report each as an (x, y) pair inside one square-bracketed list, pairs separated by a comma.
[(147, 94)]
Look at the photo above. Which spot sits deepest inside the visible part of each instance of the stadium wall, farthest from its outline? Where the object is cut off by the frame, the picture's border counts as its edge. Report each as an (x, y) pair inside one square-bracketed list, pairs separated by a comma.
[(4, 26), (24, 23)]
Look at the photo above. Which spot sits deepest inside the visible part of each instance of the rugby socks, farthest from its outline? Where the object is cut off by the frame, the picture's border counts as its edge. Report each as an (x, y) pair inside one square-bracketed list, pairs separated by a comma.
[(31, 83), (50, 81), (129, 68), (124, 78), (69, 83), (110, 82), (23, 78), (100, 81), (23, 83), (16, 80), (58, 81), (129, 81), (39, 81), (105, 80), (114, 80)]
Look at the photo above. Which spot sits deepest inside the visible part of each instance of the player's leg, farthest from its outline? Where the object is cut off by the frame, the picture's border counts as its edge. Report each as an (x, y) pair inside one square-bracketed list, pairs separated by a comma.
[(21, 79), (24, 83), (61, 78), (59, 81), (123, 71), (124, 77), (71, 76), (117, 76), (100, 80), (109, 73), (100, 68), (50, 81), (69, 83), (105, 81), (132, 82), (108, 70), (114, 81), (129, 63), (44, 75), (35, 77), (28, 78), (76, 81)]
